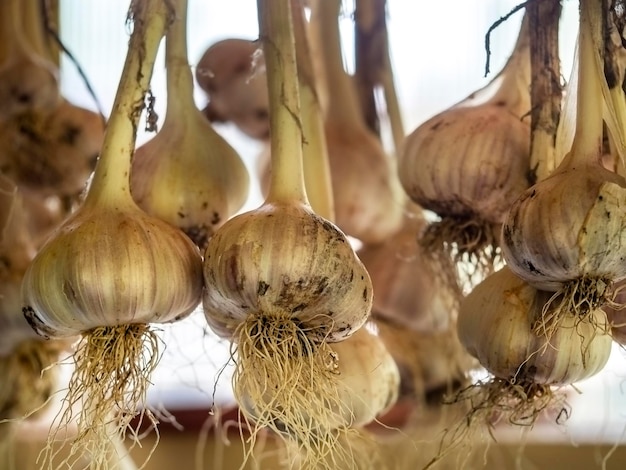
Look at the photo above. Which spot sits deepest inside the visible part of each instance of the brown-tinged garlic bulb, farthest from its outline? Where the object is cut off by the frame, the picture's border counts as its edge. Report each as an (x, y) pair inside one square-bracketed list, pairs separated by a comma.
[(565, 234), (469, 163), (28, 80), (283, 283), (110, 270), (367, 196), (187, 175), (52, 152), (409, 286), (232, 73), (616, 314)]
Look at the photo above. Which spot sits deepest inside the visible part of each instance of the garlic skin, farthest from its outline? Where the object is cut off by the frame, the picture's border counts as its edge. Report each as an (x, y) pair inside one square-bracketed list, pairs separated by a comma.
[(232, 73), (110, 267), (321, 284), (495, 323), (468, 161), (554, 234)]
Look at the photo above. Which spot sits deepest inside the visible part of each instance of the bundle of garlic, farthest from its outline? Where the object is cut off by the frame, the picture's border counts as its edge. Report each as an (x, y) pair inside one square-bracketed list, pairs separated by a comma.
[(28, 81), (232, 73), (187, 175), (283, 284), (469, 163), (111, 270), (565, 233)]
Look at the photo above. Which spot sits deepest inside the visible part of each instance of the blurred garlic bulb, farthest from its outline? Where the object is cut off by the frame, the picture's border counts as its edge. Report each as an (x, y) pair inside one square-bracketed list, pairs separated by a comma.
[(28, 81), (565, 234), (232, 73), (16, 252), (187, 175), (282, 283), (409, 287), (469, 163), (110, 270), (51, 152), (367, 196)]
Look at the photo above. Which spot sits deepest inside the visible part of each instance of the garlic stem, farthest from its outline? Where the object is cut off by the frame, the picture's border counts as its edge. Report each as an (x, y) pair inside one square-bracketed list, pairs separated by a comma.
[(587, 145), (368, 33), (179, 78), (314, 150), (10, 33), (110, 185), (342, 107), (276, 34), (32, 22), (545, 87)]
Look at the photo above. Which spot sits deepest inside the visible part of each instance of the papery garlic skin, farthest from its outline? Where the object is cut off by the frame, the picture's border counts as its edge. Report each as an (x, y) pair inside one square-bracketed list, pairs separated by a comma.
[(569, 226), (283, 259), (111, 267), (495, 323), (467, 161)]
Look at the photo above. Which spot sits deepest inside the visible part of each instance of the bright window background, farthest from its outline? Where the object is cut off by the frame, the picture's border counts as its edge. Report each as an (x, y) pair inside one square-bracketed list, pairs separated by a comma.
[(438, 57)]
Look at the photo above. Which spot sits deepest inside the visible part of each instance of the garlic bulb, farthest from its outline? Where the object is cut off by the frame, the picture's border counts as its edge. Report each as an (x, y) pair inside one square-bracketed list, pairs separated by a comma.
[(52, 152), (469, 163), (16, 251), (431, 363), (565, 234), (110, 270), (616, 314), (28, 81), (232, 73), (367, 197), (409, 287), (187, 175), (282, 283), (495, 326)]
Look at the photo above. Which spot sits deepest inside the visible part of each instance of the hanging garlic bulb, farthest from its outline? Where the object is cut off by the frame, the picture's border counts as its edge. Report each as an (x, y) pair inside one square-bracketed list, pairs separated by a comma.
[(28, 81), (187, 175), (409, 286), (282, 283), (51, 152), (565, 234), (110, 270), (469, 163), (495, 326), (368, 199), (232, 73)]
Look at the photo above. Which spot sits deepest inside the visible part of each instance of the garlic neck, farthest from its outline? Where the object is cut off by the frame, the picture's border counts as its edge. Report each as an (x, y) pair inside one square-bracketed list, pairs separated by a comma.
[(179, 77), (33, 22), (111, 184), (11, 37), (587, 145), (342, 107), (516, 74), (276, 34)]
